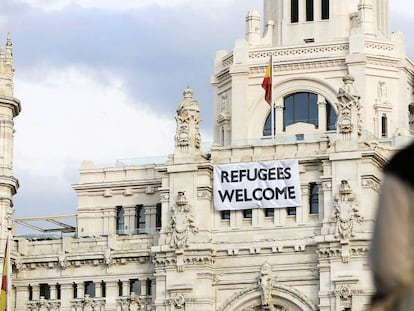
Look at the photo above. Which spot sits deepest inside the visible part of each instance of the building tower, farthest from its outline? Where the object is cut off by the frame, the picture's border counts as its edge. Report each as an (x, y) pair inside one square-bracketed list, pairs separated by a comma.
[(9, 108)]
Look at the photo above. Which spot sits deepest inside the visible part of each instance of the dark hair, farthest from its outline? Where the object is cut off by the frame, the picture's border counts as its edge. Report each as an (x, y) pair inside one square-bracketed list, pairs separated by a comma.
[(401, 165)]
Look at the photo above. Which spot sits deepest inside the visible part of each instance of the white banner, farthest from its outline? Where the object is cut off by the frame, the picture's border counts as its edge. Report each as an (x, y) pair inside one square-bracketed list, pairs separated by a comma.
[(270, 184)]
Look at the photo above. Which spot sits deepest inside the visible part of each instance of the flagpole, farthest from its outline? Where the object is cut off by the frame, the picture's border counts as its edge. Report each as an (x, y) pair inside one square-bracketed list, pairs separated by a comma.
[(8, 269), (272, 106)]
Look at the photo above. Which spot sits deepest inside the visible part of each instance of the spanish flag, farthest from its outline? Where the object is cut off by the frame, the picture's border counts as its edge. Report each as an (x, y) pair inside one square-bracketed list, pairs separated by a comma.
[(267, 82), (3, 294)]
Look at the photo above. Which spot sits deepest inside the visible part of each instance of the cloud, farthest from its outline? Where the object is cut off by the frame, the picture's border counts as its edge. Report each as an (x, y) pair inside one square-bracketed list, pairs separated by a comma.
[(110, 5), (72, 115)]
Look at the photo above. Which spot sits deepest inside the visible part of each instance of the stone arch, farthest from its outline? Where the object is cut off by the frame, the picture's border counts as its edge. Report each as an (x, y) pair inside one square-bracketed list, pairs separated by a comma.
[(260, 109), (283, 298)]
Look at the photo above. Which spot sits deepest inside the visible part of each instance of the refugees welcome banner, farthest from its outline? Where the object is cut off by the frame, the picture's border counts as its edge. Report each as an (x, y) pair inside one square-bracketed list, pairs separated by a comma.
[(270, 184)]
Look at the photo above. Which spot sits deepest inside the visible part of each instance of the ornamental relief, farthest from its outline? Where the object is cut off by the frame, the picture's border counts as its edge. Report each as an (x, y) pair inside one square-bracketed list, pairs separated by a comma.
[(181, 223), (346, 212)]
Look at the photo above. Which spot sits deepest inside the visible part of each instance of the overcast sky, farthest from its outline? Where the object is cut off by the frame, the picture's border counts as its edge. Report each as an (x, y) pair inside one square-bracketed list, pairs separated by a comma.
[(100, 80)]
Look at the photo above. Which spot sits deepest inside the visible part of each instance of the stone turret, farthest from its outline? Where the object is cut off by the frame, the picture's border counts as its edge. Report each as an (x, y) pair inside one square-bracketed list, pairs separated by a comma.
[(187, 137), (9, 108)]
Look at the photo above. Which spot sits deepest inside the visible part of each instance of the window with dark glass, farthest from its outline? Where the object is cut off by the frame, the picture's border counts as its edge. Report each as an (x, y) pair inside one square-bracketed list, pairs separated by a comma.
[(314, 198), (291, 211), (120, 288), (135, 286), (225, 215), (247, 213), (103, 289), (309, 10), (44, 290), (30, 289), (140, 218), (267, 129), (149, 287), (58, 291), (75, 290), (89, 288), (330, 117), (325, 9), (269, 212), (300, 107), (294, 11), (384, 126), (120, 219), (158, 217)]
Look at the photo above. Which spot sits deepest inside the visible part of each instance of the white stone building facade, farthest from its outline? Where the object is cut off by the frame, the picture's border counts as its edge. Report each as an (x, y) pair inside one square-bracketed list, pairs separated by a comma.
[(148, 237)]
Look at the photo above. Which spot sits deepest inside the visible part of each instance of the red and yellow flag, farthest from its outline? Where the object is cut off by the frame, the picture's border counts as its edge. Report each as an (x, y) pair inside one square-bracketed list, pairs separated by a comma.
[(267, 82), (3, 294)]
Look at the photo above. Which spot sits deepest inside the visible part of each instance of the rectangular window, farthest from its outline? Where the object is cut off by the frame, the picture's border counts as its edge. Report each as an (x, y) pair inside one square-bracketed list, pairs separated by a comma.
[(75, 290), (149, 287), (294, 11), (225, 215), (269, 212), (140, 218), (103, 289), (90, 288), (247, 213), (58, 291), (309, 10), (135, 286), (120, 220), (120, 289), (291, 211), (384, 126), (30, 289), (44, 290), (313, 198), (158, 217), (325, 9)]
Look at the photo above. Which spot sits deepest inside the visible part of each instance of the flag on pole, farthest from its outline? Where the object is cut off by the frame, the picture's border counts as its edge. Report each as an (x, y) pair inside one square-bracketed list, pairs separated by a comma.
[(3, 294), (267, 83)]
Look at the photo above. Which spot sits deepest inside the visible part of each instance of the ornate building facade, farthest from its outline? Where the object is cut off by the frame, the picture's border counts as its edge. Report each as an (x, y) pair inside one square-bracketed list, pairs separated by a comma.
[(149, 237)]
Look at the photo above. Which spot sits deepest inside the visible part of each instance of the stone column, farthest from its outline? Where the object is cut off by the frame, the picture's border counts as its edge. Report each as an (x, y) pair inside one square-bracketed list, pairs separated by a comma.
[(322, 117), (98, 290), (111, 295), (36, 292), (81, 290), (53, 295), (126, 291), (22, 297), (279, 116), (66, 292)]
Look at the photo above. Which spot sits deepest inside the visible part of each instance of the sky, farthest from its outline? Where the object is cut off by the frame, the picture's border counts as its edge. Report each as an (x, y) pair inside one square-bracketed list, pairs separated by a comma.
[(100, 80)]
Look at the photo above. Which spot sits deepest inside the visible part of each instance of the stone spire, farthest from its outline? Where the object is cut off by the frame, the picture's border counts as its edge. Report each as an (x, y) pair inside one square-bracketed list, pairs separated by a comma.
[(9, 108), (187, 137), (6, 68)]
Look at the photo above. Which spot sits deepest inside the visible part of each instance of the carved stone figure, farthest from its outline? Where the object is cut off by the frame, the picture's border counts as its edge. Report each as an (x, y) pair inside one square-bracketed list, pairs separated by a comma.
[(346, 212), (187, 137), (265, 282), (179, 301), (349, 114), (181, 223), (63, 262)]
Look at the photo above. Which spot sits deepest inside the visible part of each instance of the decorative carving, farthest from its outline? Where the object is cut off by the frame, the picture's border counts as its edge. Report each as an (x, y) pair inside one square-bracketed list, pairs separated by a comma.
[(187, 138), (108, 257), (63, 262), (265, 282), (181, 223), (179, 301), (346, 212), (349, 110)]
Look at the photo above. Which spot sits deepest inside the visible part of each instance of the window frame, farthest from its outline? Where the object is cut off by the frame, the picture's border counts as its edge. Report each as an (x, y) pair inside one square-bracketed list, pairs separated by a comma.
[(310, 12), (294, 11), (325, 8)]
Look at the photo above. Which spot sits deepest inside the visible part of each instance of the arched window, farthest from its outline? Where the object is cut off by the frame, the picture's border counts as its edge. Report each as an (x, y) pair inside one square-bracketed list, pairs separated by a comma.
[(300, 107)]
